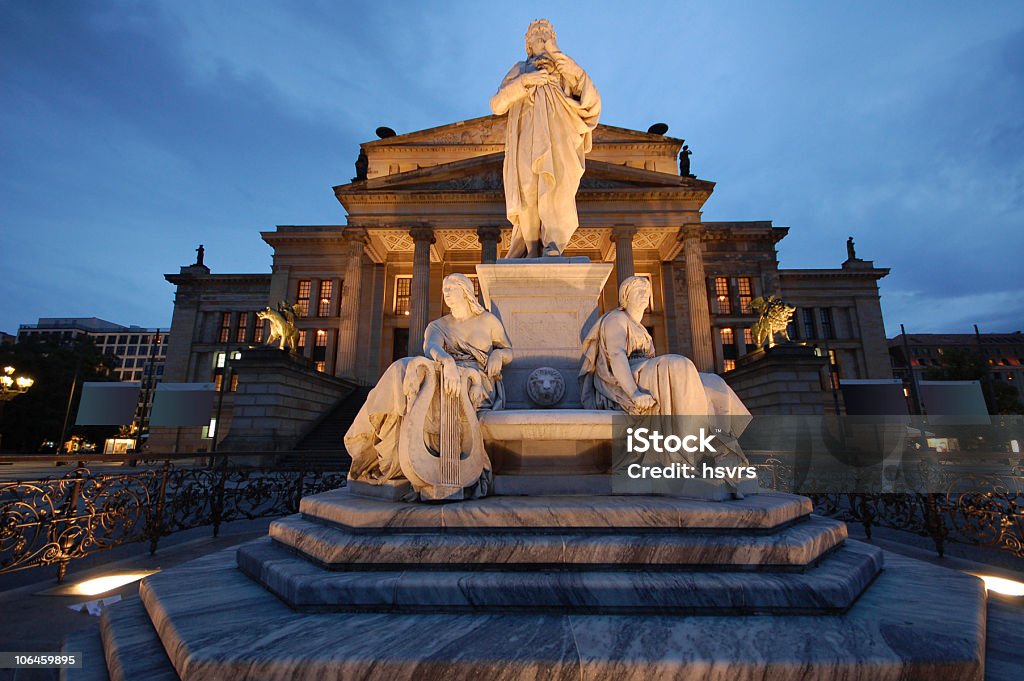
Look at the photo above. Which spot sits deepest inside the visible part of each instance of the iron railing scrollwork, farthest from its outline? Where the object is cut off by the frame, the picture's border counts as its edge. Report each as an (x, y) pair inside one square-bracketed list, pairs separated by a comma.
[(55, 520)]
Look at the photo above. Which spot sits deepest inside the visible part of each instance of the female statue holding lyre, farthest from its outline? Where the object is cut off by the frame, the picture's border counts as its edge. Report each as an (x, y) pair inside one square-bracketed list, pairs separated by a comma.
[(419, 422)]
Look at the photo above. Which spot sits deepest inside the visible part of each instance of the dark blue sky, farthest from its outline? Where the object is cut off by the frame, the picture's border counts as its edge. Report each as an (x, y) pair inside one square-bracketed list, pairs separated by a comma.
[(131, 132)]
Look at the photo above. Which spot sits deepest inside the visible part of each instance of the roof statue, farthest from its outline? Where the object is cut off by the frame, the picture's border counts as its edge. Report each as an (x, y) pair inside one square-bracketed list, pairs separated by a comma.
[(553, 108)]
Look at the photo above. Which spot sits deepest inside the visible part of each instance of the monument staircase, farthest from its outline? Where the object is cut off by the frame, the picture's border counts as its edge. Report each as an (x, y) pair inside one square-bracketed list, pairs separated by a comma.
[(553, 576), (323, 445)]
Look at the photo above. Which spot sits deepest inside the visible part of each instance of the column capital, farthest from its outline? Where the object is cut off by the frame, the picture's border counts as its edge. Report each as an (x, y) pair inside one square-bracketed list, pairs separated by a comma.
[(491, 233), (356, 235), (691, 231), (422, 233), (623, 232)]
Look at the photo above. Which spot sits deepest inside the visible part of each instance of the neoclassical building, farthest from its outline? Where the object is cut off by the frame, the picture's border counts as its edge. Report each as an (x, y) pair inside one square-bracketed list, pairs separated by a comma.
[(430, 203)]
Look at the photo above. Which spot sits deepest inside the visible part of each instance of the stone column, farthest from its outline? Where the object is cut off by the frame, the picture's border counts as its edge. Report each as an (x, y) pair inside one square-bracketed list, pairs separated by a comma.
[(697, 296), (622, 235), (348, 323), (335, 306), (489, 238), (314, 298), (233, 329), (419, 303), (250, 327)]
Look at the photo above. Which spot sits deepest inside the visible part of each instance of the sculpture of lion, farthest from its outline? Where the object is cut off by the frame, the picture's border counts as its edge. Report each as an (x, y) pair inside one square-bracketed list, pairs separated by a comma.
[(774, 316), (545, 386)]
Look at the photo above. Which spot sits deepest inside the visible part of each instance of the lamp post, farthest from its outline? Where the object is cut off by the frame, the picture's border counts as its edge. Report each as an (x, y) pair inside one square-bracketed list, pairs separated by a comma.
[(10, 387)]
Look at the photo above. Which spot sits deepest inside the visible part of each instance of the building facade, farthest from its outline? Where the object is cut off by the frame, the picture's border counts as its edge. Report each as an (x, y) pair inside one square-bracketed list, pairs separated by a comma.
[(431, 203)]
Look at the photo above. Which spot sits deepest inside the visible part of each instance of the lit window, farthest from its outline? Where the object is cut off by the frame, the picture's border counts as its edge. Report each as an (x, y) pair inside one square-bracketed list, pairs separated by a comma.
[(258, 337), (302, 292), (218, 380), (403, 294), (727, 336), (321, 366), (243, 321), (748, 337), (722, 295), (746, 291), (302, 338), (321, 338), (234, 383), (323, 305), (730, 364), (225, 327), (210, 430)]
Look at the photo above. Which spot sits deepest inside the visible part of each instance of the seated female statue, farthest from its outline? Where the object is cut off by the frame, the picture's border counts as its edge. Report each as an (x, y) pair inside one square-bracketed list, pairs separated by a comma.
[(621, 372), (465, 352)]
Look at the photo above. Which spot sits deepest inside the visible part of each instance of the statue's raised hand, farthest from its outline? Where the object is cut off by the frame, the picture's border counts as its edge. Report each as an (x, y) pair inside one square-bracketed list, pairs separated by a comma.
[(536, 78)]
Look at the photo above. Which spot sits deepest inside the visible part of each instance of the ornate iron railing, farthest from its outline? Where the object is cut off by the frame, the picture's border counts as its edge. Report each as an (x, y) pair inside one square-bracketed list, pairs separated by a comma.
[(963, 498), (54, 520)]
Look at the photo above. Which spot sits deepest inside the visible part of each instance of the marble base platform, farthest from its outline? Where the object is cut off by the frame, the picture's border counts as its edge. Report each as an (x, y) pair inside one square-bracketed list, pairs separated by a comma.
[(792, 548), (916, 621), (764, 512), (831, 587)]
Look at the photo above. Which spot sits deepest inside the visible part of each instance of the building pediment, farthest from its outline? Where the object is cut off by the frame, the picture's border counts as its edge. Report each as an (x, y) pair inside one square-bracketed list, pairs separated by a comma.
[(484, 136), (488, 130), (485, 174)]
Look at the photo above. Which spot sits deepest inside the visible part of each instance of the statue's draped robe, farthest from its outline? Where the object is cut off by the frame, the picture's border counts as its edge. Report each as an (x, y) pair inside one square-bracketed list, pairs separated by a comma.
[(672, 380), (548, 133), (372, 440)]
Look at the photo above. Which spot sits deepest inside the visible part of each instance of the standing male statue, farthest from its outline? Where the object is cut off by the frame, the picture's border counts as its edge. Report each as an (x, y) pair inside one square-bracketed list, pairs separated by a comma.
[(552, 108)]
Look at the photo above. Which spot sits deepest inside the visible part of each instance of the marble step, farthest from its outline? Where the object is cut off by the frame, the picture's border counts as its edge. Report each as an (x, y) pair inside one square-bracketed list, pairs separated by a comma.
[(131, 645), (916, 621), (762, 512), (831, 587), (88, 643), (791, 548), (557, 484)]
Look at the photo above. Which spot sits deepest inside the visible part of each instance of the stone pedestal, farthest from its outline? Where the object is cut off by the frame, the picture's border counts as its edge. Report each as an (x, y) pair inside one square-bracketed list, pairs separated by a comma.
[(279, 396), (783, 380), (547, 305)]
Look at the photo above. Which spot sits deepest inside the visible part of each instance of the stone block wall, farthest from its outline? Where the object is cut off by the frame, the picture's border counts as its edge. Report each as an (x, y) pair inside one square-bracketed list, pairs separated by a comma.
[(279, 397), (784, 380)]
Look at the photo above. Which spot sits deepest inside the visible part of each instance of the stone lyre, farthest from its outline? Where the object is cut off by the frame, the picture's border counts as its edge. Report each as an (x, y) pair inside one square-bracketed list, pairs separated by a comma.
[(449, 419)]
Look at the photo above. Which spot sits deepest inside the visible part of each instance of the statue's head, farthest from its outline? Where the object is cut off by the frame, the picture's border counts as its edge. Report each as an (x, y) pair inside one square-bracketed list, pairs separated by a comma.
[(537, 36), (460, 296), (635, 289)]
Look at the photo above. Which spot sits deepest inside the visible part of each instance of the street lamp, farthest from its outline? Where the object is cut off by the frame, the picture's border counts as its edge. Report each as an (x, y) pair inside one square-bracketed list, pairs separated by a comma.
[(11, 386)]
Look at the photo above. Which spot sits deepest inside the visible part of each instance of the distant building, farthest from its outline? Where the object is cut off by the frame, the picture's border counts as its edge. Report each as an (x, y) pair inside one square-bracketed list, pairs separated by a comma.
[(7, 338), (1003, 354), (139, 352)]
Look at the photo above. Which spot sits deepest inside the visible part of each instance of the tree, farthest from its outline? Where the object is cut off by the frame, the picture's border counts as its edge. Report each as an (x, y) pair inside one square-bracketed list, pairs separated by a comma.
[(38, 415)]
